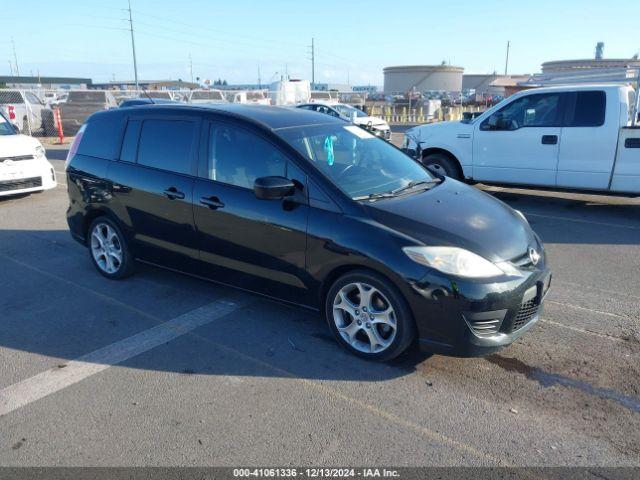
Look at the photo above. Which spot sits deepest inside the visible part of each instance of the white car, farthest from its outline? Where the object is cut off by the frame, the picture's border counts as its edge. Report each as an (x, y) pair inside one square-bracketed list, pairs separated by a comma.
[(579, 137), (375, 125), (24, 167)]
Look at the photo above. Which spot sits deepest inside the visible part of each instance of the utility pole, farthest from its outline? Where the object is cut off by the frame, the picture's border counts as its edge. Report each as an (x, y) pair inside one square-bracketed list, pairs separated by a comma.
[(313, 62), (259, 79), (191, 67), (133, 48), (15, 57), (506, 63)]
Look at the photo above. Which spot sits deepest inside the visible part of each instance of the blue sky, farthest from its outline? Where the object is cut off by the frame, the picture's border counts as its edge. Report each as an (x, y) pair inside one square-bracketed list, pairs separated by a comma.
[(354, 39)]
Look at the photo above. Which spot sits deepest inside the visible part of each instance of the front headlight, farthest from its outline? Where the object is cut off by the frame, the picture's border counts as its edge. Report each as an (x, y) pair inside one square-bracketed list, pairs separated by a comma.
[(453, 260), (40, 152)]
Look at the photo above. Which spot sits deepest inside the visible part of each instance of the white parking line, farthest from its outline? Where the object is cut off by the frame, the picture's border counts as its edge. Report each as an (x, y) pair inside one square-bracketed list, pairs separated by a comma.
[(50, 381)]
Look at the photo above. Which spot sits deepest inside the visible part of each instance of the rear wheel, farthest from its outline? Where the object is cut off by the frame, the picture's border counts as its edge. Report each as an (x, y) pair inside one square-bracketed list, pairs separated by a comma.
[(109, 250), (368, 316), (442, 165)]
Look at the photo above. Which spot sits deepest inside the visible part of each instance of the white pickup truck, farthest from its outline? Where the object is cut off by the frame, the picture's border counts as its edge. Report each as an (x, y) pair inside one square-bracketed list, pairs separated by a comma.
[(574, 137)]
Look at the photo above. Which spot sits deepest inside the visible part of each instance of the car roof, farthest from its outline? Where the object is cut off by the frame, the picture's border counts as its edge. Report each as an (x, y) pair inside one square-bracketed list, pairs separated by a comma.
[(271, 117), (573, 88)]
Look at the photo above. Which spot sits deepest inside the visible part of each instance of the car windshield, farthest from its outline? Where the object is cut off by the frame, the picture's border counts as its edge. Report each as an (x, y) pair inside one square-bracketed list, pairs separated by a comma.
[(5, 127), (348, 110), (358, 163)]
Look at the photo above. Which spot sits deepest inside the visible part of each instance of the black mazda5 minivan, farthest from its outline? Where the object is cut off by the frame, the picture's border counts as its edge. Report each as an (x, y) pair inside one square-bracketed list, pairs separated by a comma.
[(312, 210)]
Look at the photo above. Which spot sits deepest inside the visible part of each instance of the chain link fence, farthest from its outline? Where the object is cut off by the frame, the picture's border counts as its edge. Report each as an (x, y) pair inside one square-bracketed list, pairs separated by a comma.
[(56, 115)]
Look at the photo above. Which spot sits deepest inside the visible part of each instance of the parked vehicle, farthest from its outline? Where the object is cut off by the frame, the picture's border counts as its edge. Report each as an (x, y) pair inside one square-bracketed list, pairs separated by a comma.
[(254, 97), (575, 137), (24, 167), (25, 110), (206, 96), (82, 103), (311, 210), (135, 102), (290, 92), (375, 125)]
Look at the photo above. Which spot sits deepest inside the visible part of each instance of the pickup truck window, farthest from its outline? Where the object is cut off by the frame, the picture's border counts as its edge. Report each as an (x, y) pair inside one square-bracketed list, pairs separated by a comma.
[(538, 110), (586, 109), (10, 97)]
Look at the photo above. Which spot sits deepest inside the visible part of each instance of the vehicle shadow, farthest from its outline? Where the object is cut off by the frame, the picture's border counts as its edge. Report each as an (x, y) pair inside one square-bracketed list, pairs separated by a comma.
[(55, 305), (575, 218)]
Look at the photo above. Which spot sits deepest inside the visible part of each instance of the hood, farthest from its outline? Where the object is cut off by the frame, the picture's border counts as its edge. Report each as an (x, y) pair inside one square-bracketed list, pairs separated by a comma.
[(455, 214), (17, 145), (440, 129)]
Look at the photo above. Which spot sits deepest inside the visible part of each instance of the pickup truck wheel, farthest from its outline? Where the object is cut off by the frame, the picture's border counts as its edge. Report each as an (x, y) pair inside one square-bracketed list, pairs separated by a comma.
[(441, 164)]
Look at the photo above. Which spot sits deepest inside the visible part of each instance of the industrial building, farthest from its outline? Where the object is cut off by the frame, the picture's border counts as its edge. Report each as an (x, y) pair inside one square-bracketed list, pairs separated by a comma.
[(491, 84), (14, 81), (422, 78)]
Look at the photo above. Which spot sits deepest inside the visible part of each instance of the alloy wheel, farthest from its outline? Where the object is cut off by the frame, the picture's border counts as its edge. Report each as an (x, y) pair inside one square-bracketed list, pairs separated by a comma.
[(364, 317), (106, 248)]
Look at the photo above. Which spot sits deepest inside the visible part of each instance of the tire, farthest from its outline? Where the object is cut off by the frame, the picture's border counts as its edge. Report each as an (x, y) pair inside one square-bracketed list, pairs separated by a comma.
[(365, 328), (109, 250), (441, 164)]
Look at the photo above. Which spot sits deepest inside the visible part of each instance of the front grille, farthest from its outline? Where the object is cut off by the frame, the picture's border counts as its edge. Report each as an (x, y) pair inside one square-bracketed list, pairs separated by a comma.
[(8, 185), (17, 158), (527, 311), (485, 328)]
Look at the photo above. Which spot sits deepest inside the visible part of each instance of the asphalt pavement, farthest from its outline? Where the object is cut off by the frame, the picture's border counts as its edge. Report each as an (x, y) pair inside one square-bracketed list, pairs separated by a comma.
[(165, 369)]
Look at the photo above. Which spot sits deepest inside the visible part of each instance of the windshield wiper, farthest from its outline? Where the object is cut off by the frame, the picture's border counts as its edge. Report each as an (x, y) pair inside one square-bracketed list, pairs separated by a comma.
[(375, 196), (415, 183)]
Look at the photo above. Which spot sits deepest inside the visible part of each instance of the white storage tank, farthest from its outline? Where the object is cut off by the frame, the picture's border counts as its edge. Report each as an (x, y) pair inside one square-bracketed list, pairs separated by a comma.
[(422, 78)]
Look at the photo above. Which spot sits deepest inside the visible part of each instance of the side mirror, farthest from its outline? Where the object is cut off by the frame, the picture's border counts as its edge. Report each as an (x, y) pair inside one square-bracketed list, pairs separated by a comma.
[(273, 188)]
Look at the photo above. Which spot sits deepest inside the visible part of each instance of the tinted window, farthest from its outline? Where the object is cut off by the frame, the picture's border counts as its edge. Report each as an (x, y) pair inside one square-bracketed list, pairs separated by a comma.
[(166, 144), (101, 137), (32, 98), (589, 109), (238, 157), (541, 110), (130, 142)]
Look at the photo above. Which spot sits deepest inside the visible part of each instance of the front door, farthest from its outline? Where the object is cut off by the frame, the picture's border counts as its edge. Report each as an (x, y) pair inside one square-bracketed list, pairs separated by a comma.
[(255, 244), (153, 186), (520, 142)]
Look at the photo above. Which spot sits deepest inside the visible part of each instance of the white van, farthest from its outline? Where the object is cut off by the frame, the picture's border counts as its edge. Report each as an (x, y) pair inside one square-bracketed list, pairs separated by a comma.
[(576, 137)]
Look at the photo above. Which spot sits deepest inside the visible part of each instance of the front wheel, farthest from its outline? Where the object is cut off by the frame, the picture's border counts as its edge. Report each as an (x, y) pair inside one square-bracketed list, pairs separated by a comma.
[(368, 316), (442, 165), (109, 250)]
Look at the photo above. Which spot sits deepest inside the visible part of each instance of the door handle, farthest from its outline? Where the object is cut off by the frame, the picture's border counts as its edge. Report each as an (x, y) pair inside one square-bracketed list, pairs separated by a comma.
[(549, 139), (212, 202), (172, 193)]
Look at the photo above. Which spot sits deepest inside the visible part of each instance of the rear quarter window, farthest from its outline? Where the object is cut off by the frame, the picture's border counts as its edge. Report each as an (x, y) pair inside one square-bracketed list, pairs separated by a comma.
[(589, 109), (102, 137)]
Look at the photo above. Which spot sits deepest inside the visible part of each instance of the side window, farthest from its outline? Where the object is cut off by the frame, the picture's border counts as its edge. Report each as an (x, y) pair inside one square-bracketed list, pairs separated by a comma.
[(130, 142), (101, 137), (237, 156), (167, 144), (538, 110), (589, 109)]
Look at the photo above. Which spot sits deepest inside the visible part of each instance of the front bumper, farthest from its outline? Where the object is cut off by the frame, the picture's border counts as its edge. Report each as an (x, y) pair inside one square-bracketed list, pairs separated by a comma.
[(26, 176), (467, 318)]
